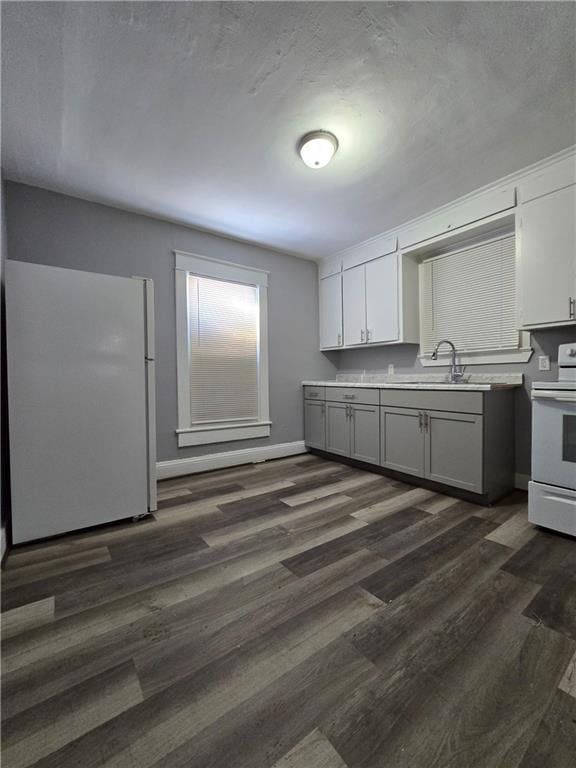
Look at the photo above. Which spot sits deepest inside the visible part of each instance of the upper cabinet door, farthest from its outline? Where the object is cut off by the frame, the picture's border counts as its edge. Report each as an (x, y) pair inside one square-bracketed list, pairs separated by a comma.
[(382, 291), (354, 293), (547, 267), (331, 311)]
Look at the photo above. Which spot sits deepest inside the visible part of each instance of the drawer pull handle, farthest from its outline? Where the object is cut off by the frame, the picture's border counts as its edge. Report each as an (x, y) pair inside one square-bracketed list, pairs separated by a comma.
[(349, 397)]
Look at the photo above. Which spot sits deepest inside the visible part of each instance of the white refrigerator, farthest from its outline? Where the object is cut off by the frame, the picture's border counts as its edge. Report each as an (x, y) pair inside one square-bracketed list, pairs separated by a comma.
[(81, 395)]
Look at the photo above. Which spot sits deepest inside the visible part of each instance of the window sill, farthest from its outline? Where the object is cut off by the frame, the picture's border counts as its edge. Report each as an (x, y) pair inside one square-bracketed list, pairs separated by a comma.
[(222, 433), (521, 355)]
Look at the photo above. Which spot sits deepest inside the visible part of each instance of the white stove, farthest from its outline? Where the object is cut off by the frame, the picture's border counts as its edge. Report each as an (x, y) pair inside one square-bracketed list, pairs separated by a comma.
[(552, 490)]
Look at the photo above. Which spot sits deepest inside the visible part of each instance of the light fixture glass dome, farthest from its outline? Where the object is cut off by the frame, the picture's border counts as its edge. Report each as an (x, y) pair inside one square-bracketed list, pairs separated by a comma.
[(317, 148)]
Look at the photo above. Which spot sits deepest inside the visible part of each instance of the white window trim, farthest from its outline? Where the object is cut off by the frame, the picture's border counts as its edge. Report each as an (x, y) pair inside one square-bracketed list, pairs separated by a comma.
[(229, 431), (483, 357)]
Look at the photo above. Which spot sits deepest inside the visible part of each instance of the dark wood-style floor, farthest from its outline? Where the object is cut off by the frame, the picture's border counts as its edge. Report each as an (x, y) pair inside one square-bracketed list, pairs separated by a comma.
[(295, 614)]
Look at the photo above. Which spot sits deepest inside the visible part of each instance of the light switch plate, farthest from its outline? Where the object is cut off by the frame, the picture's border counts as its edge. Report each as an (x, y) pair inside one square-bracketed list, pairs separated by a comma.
[(543, 363), (391, 369)]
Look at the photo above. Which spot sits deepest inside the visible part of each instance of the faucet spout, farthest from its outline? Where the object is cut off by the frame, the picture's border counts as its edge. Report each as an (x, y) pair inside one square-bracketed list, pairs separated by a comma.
[(456, 373)]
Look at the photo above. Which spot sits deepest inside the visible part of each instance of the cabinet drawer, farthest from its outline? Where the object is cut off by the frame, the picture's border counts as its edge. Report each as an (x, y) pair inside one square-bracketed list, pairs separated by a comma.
[(441, 400), (353, 395), (314, 393)]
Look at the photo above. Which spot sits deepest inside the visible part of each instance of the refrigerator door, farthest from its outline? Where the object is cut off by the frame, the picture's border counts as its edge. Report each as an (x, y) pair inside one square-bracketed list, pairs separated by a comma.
[(77, 399)]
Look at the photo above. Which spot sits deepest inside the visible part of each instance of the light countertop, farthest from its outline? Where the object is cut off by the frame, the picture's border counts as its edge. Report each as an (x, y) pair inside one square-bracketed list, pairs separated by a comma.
[(427, 385)]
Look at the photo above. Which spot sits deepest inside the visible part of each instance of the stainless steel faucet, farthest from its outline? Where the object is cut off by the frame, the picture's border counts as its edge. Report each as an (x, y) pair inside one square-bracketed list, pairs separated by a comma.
[(456, 373)]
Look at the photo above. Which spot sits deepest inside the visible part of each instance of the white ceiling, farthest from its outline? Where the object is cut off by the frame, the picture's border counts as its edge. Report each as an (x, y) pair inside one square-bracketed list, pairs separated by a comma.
[(192, 110)]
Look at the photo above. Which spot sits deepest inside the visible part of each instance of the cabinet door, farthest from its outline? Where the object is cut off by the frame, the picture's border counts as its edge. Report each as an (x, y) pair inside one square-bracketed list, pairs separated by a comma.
[(354, 301), (365, 433), (331, 311), (402, 440), (315, 424), (547, 269), (337, 429), (454, 449), (382, 299)]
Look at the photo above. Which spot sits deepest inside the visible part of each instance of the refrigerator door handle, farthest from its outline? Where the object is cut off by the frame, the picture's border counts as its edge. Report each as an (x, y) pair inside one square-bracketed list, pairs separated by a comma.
[(149, 319), (149, 355), (151, 433)]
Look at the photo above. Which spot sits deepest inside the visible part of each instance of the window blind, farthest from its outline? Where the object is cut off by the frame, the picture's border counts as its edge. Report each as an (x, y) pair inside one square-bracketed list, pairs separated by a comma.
[(469, 297), (223, 332)]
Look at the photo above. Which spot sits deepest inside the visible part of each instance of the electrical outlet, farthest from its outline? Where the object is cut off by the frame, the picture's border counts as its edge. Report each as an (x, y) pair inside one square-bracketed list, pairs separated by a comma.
[(543, 363), (391, 369)]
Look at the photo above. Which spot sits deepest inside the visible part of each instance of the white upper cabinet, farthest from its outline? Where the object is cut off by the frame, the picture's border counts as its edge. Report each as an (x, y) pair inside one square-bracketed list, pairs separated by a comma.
[(547, 263), (380, 302), (458, 215), (549, 179), (354, 302), (331, 311), (382, 294)]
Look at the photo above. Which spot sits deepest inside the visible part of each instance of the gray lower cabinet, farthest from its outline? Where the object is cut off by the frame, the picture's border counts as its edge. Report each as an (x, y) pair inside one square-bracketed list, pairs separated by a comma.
[(364, 433), (315, 424), (402, 440), (460, 439), (337, 429), (454, 450), (439, 445)]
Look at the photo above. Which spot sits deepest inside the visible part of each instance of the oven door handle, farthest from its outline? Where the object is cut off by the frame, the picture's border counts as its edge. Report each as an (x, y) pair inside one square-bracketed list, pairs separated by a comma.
[(561, 397)]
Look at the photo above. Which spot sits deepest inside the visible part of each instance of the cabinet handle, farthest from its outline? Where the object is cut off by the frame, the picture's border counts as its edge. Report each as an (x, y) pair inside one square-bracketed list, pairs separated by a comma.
[(339, 339), (362, 335), (572, 308), (368, 335), (349, 397), (426, 421), (420, 420), (347, 411)]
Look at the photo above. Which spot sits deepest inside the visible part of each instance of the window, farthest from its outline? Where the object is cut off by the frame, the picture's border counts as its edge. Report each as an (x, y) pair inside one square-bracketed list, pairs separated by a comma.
[(222, 351), (469, 297)]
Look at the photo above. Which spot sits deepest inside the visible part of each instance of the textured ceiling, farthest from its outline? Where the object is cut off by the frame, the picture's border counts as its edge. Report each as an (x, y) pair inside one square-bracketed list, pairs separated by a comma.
[(192, 110)]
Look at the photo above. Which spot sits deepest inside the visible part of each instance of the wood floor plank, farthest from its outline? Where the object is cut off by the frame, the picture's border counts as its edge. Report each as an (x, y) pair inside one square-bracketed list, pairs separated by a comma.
[(47, 727), (27, 617), (402, 574), (365, 479), (554, 742), (432, 601), (515, 532), (409, 539), (280, 516), (252, 735), (168, 663), (389, 506), (377, 723), (541, 557), (366, 537), (314, 751), (555, 604), (27, 574), (437, 503)]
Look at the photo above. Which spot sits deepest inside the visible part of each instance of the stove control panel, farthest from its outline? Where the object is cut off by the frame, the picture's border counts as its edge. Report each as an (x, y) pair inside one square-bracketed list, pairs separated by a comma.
[(567, 361)]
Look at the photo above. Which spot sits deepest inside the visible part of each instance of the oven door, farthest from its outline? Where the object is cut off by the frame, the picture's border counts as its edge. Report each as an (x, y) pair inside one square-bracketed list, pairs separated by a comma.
[(554, 437)]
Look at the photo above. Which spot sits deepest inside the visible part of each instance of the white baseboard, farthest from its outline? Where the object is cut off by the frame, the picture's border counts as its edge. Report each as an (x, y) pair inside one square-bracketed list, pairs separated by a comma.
[(521, 481), (178, 467)]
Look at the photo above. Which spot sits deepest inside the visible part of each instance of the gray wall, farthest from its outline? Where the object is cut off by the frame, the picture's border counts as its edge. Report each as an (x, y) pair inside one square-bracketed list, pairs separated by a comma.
[(49, 228), (405, 360)]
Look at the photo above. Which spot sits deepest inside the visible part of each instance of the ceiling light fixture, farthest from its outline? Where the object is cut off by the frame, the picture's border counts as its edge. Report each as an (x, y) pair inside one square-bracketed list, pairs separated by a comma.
[(317, 148)]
